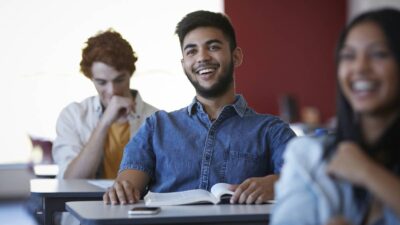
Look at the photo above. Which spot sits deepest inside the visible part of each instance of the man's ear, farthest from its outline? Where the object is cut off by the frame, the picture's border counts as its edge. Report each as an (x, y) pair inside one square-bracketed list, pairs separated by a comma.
[(237, 56)]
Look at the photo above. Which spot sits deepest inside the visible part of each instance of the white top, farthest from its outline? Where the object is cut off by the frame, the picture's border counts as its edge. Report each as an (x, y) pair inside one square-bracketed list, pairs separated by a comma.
[(77, 122), (306, 194)]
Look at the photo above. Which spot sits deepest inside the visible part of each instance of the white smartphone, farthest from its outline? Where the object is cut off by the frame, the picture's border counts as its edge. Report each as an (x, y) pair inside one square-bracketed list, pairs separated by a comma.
[(143, 210)]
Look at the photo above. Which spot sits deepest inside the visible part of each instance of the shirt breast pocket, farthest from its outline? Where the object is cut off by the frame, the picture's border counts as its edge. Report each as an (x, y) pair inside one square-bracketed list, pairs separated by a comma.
[(242, 165)]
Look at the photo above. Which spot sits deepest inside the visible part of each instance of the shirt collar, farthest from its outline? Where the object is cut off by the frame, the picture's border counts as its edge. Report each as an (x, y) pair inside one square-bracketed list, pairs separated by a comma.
[(97, 106), (240, 105), (191, 108), (138, 101)]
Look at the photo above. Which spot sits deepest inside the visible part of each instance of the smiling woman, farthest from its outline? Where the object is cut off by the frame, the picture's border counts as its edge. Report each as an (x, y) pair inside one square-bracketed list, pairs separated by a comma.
[(353, 176), (40, 59), (368, 71)]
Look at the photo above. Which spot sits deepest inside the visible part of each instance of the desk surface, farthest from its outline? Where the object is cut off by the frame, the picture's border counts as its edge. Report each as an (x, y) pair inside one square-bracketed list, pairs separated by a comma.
[(45, 170), (96, 213), (64, 188)]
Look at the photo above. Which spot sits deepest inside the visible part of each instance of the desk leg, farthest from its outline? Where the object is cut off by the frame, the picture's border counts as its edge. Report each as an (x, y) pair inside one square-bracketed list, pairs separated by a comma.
[(50, 206), (53, 205)]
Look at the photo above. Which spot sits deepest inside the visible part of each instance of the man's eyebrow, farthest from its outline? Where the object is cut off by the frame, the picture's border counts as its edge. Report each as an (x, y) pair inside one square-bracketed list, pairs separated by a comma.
[(213, 41), (207, 43), (189, 46), (122, 75)]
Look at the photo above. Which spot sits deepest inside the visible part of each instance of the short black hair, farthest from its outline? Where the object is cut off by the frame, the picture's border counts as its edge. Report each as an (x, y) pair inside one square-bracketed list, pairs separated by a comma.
[(204, 18)]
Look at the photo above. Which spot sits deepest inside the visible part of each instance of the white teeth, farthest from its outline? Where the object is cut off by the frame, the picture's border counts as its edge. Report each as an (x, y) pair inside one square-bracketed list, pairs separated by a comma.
[(203, 71), (363, 85)]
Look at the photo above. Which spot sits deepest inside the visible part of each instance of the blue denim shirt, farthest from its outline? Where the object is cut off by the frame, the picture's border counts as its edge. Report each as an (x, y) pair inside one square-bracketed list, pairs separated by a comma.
[(185, 150)]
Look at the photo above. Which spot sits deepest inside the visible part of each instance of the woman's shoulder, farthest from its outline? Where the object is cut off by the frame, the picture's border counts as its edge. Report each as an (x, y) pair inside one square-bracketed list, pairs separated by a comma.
[(306, 150), (304, 145)]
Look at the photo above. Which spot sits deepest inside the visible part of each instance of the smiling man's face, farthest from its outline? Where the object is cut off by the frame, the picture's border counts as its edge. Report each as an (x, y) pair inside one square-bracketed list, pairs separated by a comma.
[(208, 61)]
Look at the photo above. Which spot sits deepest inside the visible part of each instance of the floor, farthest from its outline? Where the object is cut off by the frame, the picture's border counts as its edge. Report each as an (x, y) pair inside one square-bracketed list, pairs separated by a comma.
[(15, 212)]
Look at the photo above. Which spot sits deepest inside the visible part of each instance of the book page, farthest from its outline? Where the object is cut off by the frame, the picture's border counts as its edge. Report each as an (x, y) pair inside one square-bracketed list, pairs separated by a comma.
[(179, 198), (221, 189)]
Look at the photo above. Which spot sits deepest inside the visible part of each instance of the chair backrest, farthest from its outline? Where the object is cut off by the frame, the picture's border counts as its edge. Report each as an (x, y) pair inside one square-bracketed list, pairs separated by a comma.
[(45, 146)]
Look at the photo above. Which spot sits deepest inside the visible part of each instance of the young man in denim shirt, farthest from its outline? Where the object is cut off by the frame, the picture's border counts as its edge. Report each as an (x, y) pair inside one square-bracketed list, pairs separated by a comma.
[(217, 138)]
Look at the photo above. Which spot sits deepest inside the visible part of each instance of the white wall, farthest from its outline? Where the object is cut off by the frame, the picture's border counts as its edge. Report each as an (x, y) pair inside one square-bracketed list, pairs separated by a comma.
[(356, 7), (40, 47)]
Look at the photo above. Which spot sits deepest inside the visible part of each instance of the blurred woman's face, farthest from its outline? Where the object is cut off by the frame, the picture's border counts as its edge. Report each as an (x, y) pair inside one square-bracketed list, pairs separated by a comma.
[(368, 72)]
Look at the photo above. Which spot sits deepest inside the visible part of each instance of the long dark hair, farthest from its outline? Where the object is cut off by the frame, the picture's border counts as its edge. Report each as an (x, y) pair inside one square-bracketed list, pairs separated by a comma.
[(348, 128)]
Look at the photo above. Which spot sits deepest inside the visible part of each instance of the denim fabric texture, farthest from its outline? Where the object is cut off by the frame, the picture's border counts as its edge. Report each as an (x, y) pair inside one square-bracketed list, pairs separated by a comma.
[(185, 150)]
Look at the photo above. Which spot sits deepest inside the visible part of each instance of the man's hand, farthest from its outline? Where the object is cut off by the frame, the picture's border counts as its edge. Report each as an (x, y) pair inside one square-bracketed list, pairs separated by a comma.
[(121, 192), (338, 221), (350, 163), (254, 190), (127, 187), (118, 109)]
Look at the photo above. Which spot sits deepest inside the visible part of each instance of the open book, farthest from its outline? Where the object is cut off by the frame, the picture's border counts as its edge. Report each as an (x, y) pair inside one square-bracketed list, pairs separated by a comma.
[(219, 193)]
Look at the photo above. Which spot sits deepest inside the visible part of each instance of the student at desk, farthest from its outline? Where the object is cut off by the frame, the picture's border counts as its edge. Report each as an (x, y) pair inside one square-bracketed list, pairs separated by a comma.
[(353, 177), (92, 134), (217, 138)]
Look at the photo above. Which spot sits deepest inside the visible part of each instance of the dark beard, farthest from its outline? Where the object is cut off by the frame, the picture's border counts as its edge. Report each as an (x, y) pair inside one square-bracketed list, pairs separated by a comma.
[(218, 89)]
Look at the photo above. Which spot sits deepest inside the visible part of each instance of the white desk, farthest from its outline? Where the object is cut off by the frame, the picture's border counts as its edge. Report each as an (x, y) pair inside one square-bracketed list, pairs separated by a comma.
[(55, 193), (45, 170), (97, 213)]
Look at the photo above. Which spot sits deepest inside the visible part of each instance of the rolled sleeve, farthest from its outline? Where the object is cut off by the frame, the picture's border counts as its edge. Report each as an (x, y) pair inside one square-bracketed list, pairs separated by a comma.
[(138, 153), (280, 135), (67, 145)]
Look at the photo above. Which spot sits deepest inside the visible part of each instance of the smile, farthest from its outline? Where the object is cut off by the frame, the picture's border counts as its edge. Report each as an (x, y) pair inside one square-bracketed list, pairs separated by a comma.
[(206, 69), (363, 85)]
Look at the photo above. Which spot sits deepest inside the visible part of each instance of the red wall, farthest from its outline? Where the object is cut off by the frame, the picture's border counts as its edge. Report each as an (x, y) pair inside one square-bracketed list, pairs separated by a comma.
[(288, 47)]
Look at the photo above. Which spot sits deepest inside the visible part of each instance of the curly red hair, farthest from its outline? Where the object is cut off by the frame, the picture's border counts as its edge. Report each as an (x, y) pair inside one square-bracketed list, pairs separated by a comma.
[(110, 48)]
